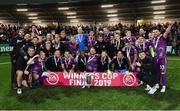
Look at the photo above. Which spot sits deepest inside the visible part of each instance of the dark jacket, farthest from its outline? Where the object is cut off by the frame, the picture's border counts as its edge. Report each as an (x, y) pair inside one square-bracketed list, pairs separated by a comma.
[(51, 65), (117, 65), (148, 67), (115, 47), (102, 65), (149, 73), (62, 47), (16, 46), (21, 63), (101, 46), (81, 64)]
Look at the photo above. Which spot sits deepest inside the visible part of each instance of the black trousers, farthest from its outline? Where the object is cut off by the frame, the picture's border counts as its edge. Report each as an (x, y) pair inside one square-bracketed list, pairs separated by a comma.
[(13, 72), (148, 78)]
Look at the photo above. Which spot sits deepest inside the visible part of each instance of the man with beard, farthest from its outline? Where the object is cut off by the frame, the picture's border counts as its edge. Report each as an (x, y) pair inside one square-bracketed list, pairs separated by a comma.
[(48, 49), (68, 62), (119, 63), (117, 45), (16, 43), (57, 44), (101, 45), (72, 46), (131, 54), (107, 35), (21, 65), (53, 63), (91, 39), (129, 37), (81, 59), (26, 43), (143, 33), (143, 45), (160, 43), (36, 44), (148, 72), (92, 61), (63, 36), (36, 69)]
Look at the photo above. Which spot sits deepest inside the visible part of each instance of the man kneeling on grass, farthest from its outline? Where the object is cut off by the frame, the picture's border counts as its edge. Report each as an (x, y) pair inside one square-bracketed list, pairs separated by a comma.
[(21, 66), (34, 70), (148, 72)]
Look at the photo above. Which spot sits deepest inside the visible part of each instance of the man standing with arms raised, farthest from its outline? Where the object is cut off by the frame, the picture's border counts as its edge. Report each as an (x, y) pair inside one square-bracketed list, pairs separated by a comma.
[(160, 43)]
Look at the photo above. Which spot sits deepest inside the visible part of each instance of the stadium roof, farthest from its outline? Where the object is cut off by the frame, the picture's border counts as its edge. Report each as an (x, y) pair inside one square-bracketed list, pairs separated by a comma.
[(26, 11)]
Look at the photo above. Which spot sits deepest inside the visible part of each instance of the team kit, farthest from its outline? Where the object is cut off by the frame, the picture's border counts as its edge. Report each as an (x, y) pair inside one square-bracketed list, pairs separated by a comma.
[(101, 51)]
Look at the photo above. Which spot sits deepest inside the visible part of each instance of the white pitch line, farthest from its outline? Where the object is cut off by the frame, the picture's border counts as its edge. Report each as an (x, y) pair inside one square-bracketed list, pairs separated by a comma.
[(4, 63), (174, 59)]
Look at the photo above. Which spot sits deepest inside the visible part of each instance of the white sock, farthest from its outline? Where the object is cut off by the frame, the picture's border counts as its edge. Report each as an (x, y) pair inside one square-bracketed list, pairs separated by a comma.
[(163, 87)]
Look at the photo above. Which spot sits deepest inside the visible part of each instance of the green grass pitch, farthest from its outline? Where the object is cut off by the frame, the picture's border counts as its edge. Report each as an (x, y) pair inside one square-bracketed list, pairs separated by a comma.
[(94, 98)]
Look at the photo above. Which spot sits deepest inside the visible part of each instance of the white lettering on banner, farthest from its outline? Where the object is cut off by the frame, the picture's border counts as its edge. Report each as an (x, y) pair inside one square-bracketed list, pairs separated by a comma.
[(94, 75), (102, 82), (6, 49), (66, 75), (76, 79), (106, 76), (96, 78), (82, 76), (103, 75), (77, 75), (115, 75), (70, 82), (76, 82)]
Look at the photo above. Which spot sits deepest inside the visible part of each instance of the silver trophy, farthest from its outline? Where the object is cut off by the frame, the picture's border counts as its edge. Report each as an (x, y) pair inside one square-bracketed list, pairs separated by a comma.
[(88, 81)]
